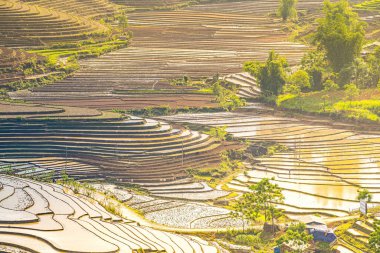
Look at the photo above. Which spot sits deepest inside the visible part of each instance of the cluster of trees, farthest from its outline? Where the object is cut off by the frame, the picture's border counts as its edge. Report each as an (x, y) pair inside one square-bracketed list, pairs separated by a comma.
[(296, 234), (287, 9), (261, 201), (337, 61), (275, 78)]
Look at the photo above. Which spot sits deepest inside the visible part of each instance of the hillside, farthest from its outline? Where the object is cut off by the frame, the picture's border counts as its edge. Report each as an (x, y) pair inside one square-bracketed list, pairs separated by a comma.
[(197, 42)]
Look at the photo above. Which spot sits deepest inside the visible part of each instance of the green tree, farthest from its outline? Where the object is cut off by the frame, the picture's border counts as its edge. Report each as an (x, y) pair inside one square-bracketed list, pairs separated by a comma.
[(271, 75), (330, 85), (297, 235), (373, 60), (364, 194), (315, 64), (122, 20), (374, 238), (287, 9), (361, 73), (266, 196), (227, 99), (301, 79), (291, 89), (246, 209), (340, 33), (218, 132), (351, 91)]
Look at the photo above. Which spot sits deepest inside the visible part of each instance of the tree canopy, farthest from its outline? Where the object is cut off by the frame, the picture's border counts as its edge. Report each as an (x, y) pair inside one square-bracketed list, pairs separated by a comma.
[(271, 75), (227, 98), (261, 200), (315, 64), (267, 195), (340, 33), (297, 82), (364, 194), (287, 9), (297, 235)]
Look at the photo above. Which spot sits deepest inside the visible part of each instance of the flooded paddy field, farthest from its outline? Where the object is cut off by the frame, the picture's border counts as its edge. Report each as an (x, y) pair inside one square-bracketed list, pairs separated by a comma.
[(322, 167)]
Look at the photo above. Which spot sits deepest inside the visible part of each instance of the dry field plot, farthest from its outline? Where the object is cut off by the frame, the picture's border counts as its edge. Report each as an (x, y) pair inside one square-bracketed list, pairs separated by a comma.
[(321, 171), (198, 42), (40, 217)]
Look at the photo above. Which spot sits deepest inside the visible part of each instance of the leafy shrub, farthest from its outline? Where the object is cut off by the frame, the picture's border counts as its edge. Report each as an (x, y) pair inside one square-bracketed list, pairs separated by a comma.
[(218, 132), (271, 75), (28, 72)]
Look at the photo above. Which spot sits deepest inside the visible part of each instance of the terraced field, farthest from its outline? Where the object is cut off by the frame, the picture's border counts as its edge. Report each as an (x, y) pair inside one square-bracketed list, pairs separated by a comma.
[(88, 8), (44, 218), (152, 4), (126, 148), (28, 25), (322, 169), (11, 61), (246, 83), (185, 213), (359, 232), (197, 42)]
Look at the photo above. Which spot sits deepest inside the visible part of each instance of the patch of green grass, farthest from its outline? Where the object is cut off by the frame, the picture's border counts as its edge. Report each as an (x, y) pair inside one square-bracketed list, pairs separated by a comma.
[(364, 108), (359, 110), (81, 50)]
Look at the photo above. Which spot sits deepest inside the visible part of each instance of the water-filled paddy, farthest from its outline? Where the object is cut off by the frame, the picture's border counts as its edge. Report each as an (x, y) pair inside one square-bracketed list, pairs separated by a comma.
[(323, 167)]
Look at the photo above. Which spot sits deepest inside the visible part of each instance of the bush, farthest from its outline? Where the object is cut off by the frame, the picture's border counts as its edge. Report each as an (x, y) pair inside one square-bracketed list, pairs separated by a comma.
[(330, 85), (271, 75), (218, 132), (301, 79)]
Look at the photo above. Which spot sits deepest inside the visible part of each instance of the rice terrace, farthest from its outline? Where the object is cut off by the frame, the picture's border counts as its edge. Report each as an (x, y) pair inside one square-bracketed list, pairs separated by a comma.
[(190, 126)]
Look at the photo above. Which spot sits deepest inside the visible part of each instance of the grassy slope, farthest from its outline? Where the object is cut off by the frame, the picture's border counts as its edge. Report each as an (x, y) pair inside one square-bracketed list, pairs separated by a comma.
[(335, 104)]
